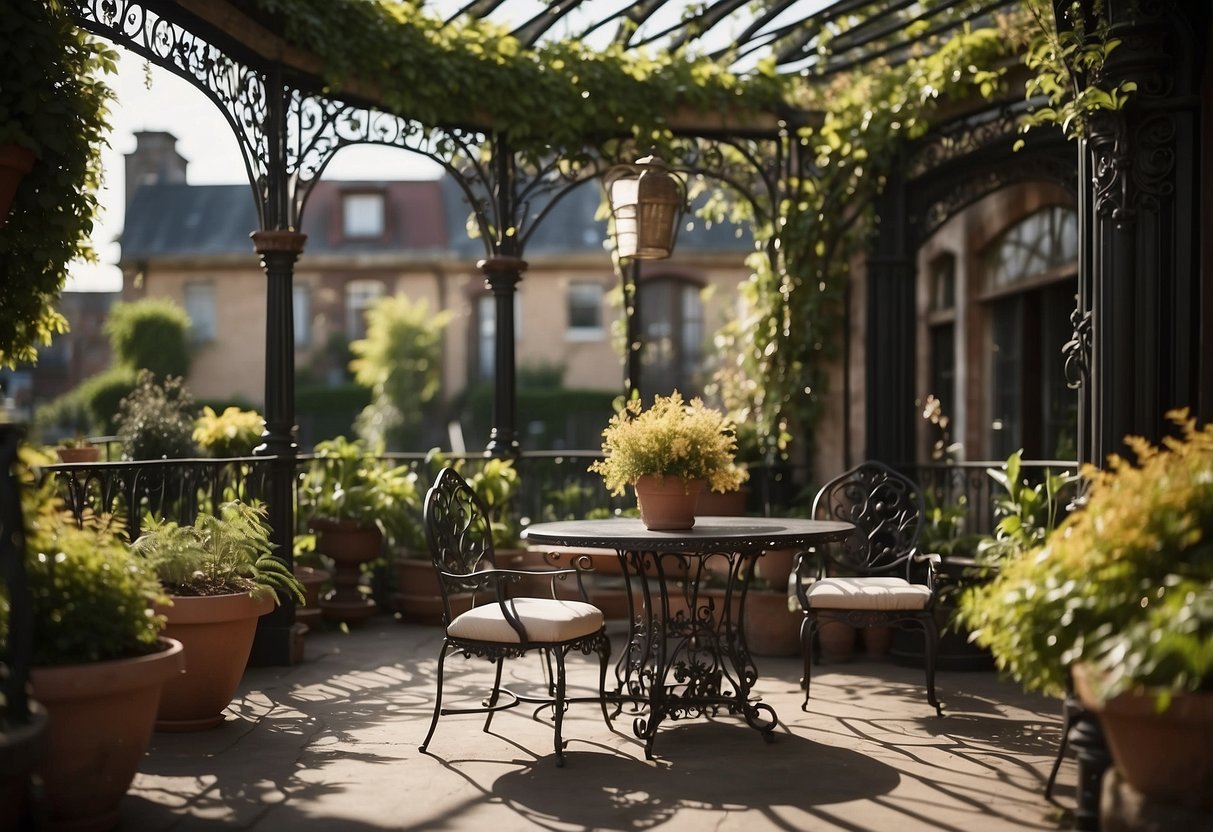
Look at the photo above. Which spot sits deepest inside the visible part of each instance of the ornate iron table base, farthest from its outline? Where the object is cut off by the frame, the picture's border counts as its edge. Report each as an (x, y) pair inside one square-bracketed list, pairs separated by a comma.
[(687, 655)]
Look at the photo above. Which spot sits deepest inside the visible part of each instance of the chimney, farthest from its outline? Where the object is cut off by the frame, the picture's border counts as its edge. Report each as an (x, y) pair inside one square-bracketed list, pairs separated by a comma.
[(155, 160)]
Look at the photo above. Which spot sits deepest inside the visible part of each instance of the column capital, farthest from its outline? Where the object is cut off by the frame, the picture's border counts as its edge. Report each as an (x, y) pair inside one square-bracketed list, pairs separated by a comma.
[(495, 265), (278, 240)]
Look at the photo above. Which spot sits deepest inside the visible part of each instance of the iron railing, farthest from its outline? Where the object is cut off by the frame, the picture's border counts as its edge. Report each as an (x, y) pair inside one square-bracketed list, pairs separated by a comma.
[(552, 485)]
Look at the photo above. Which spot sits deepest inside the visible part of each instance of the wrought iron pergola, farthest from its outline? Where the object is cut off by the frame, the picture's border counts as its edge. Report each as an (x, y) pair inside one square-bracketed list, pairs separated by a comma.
[(1140, 344)]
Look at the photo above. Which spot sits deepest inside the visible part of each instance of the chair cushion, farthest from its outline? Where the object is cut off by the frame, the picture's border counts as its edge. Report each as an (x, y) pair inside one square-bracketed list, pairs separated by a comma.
[(545, 620), (867, 594)]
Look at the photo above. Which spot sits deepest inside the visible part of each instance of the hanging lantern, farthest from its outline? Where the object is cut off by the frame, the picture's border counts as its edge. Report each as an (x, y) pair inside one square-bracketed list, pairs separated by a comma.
[(646, 204)]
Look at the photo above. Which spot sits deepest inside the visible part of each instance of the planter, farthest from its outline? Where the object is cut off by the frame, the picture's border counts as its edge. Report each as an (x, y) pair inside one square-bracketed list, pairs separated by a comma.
[(877, 641), (715, 504), (100, 723), (1166, 757), (667, 503), (837, 640), (313, 581), (217, 634), (775, 567), (350, 545), (418, 598), (21, 747), (15, 163), (771, 629), (75, 455)]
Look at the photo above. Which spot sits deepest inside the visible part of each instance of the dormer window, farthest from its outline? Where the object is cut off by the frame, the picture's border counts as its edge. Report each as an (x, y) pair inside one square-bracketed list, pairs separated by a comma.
[(362, 215)]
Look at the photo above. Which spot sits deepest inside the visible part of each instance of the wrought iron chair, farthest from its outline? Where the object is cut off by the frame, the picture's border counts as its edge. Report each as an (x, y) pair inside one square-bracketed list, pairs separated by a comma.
[(856, 581), (461, 547)]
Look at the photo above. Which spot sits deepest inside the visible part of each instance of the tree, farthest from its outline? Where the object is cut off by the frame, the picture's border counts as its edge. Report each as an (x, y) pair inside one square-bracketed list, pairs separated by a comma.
[(400, 362), (150, 334)]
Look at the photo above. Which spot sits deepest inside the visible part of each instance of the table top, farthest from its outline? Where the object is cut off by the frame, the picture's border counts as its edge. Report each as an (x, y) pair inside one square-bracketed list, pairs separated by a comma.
[(710, 534)]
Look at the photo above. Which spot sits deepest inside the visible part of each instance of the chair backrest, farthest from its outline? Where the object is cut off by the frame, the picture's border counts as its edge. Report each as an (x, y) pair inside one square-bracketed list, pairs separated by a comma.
[(887, 510), (459, 535)]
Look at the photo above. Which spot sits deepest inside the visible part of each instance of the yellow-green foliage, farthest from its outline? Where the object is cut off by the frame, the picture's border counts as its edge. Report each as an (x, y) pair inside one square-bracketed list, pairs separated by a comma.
[(1125, 583), (234, 432), (672, 438)]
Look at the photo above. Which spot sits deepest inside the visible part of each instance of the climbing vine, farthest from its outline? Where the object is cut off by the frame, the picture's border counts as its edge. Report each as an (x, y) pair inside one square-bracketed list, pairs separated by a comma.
[(782, 348), (53, 101)]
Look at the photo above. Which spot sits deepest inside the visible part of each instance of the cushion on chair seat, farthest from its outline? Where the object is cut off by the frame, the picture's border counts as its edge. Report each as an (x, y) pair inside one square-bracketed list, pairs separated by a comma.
[(867, 594), (545, 620)]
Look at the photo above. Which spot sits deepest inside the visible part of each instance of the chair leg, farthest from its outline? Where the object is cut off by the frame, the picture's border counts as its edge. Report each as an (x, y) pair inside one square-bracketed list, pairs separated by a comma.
[(437, 699), (559, 705), (1069, 708), (806, 648), (931, 633), (494, 695)]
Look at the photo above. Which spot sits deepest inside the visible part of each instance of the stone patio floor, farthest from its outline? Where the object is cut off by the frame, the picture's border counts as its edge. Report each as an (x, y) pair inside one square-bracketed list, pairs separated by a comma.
[(331, 744)]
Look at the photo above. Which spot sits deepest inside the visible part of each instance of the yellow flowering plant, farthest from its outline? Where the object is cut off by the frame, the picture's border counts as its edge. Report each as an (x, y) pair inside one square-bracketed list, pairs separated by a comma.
[(1124, 585), (673, 438)]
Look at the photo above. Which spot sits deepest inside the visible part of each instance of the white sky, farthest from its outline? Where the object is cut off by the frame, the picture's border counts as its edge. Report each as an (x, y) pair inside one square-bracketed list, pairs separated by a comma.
[(207, 143)]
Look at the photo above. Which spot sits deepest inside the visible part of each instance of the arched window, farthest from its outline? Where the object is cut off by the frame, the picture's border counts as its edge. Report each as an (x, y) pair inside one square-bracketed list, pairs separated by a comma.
[(1029, 282)]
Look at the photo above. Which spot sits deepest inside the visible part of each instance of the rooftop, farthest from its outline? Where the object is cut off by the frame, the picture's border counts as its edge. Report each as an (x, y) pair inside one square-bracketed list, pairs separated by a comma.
[(331, 743)]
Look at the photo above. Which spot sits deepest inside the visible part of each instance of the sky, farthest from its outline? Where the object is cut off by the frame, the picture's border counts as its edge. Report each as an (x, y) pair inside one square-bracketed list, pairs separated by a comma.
[(207, 143)]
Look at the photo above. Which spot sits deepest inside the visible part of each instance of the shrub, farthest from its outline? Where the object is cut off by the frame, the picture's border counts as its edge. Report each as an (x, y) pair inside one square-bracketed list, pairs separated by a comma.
[(156, 421), (150, 334), (90, 597), (234, 432)]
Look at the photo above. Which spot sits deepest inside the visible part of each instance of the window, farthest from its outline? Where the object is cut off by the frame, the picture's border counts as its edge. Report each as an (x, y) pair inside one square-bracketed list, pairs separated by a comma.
[(1030, 284), (671, 321), (1039, 244), (200, 306), (941, 333), (585, 311), (359, 295), (362, 215), (301, 311)]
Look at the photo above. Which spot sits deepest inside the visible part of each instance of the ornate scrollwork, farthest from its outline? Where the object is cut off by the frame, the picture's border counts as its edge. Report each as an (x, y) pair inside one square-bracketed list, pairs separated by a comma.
[(1077, 350)]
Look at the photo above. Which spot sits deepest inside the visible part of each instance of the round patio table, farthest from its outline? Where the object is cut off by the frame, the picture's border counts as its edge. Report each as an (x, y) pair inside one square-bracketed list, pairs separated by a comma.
[(687, 655)]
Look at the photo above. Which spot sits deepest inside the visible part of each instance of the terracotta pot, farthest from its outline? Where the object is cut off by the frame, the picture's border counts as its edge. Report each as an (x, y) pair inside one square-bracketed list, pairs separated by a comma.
[(837, 640), (1168, 756), (771, 629), (877, 641), (15, 163), (775, 567), (715, 504), (21, 747), (73, 455), (313, 581), (667, 503), (217, 634), (350, 545), (100, 723), (418, 598)]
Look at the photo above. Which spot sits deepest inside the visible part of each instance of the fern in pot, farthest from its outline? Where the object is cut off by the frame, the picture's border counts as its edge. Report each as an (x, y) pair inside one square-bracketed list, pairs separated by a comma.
[(1120, 596), (221, 575)]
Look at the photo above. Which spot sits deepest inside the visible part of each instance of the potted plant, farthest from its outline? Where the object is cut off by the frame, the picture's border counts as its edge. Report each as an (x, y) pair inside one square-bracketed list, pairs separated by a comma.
[(77, 449), (668, 454), (232, 433), (99, 660), (1121, 596), (221, 576), (352, 499)]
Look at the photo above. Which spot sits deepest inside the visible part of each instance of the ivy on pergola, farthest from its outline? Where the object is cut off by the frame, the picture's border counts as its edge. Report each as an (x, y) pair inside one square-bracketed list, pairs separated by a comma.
[(576, 76)]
